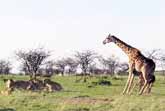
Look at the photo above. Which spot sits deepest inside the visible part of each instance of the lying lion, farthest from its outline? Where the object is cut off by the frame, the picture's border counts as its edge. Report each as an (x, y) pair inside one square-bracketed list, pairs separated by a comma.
[(11, 84), (33, 85), (52, 86)]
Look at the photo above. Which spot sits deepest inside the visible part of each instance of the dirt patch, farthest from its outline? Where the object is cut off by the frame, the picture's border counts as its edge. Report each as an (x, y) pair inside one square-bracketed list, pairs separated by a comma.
[(87, 100), (79, 109)]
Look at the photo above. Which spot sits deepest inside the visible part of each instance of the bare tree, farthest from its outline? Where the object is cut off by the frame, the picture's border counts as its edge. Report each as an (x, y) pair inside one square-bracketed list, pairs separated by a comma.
[(162, 63), (95, 69), (92, 68), (123, 68), (61, 64), (50, 68), (85, 59), (153, 54), (24, 69), (5, 67), (110, 64), (32, 59), (159, 57), (72, 65)]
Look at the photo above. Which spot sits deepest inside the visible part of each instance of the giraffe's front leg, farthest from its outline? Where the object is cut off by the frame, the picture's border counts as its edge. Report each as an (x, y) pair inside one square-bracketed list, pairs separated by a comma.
[(130, 84), (129, 77)]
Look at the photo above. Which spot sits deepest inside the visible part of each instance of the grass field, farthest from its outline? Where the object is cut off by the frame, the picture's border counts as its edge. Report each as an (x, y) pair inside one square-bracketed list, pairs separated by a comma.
[(80, 97)]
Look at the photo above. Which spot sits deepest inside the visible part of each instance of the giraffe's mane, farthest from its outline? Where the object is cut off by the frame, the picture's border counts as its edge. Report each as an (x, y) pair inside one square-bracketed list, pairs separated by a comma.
[(122, 42)]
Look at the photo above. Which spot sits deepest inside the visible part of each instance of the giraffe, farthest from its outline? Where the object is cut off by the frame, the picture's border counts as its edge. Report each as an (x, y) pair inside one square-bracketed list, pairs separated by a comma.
[(137, 61)]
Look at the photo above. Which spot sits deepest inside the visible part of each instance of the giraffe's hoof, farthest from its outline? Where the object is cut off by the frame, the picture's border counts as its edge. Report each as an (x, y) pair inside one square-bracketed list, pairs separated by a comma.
[(123, 93), (139, 93), (129, 93)]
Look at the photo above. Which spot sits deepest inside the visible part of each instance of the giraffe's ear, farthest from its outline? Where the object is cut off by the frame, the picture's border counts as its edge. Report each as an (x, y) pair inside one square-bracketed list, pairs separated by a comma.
[(109, 35)]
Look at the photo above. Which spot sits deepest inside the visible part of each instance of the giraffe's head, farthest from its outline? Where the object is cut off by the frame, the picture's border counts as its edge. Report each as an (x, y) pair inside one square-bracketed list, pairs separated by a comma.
[(109, 39)]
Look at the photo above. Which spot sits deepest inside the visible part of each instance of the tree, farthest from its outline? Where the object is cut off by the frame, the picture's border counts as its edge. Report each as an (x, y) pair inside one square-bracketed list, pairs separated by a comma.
[(153, 54), (162, 63), (24, 69), (110, 64), (5, 67), (32, 60), (123, 67), (84, 60), (50, 68), (61, 64), (159, 57), (72, 65), (94, 69)]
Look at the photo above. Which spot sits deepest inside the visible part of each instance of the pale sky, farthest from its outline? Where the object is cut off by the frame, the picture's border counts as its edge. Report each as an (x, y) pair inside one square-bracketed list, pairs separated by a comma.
[(65, 26)]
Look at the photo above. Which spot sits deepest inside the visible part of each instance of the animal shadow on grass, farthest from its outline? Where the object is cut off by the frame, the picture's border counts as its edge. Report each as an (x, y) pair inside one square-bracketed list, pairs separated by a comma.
[(7, 109)]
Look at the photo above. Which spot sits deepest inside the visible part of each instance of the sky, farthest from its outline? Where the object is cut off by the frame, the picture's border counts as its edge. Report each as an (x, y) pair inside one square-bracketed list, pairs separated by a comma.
[(66, 26)]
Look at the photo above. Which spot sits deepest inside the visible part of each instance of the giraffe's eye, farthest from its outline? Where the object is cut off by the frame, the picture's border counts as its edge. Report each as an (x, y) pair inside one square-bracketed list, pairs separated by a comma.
[(109, 39)]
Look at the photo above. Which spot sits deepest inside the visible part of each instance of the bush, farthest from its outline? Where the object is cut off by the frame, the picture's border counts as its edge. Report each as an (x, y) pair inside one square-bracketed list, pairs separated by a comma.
[(101, 83)]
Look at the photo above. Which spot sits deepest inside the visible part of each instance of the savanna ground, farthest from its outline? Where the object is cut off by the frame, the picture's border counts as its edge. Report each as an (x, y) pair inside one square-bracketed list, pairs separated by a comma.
[(81, 97)]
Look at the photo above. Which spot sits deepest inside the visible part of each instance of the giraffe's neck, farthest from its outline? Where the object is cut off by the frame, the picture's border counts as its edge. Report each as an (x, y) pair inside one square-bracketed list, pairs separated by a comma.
[(125, 47)]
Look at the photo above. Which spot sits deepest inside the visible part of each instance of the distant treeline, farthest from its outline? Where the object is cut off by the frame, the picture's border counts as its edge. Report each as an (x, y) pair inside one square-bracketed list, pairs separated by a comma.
[(36, 62)]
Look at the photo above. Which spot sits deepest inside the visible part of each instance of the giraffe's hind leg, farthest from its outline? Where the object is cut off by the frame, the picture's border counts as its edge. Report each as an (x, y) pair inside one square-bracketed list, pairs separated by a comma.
[(139, 83), (146, 89), (145, 77), (144, 86), (149, 88), (150, 84)]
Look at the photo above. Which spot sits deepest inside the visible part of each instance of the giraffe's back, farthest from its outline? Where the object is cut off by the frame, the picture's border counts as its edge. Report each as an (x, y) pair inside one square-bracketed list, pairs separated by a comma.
[(144, 63)]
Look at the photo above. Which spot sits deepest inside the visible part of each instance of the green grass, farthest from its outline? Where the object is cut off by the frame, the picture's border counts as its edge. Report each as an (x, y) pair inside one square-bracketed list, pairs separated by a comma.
[(80, 97)]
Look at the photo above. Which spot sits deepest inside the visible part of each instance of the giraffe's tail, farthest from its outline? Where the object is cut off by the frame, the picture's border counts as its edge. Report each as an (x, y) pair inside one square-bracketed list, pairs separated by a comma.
[(151, 79)]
